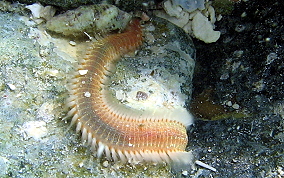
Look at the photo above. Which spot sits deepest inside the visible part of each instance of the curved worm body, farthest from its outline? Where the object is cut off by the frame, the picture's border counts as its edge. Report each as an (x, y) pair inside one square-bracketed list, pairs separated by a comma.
[(120, 132)]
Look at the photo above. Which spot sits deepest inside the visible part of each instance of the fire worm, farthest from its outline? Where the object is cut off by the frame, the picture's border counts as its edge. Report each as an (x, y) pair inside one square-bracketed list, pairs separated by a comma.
[(120, 132)]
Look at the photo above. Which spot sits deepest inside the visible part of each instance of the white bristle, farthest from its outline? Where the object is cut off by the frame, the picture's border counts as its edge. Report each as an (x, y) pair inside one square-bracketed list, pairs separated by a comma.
[(107, 152), (79, 126), (114, 155), (90, 138), (205, 166), (100, 149), (74, 119), (84, 135)]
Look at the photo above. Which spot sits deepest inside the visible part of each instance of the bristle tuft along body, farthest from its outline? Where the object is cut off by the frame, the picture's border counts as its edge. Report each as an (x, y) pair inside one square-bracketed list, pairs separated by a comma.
[(112, 129)]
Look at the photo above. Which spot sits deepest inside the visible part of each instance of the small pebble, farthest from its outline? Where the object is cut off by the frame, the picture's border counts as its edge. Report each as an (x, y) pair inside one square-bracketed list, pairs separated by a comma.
[(244, 14), (72, 43), (236, 106), (240, 28), (184, 173), (140, 95), (52, 73), (229, 103), (105, 163), (209, 150), (234, 160), (270, 58), (81, 164), (11, 86)]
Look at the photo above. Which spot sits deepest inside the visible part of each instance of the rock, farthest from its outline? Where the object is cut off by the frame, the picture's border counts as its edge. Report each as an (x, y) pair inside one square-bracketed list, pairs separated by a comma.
[(197, 20), (203, 29), (66, 4), (93, 20)]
